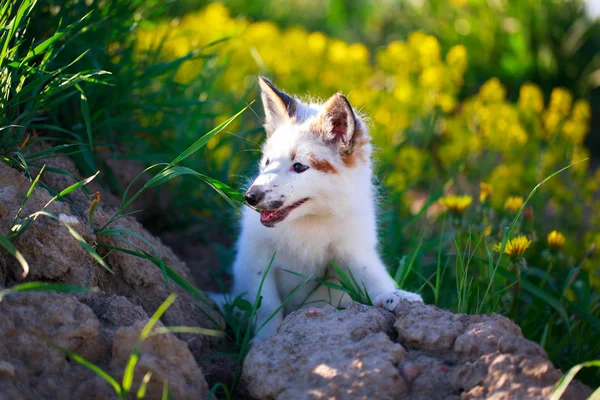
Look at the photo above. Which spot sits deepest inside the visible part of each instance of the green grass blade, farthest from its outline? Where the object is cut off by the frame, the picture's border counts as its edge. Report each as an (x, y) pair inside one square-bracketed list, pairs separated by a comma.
[(8, 246), (248, 334), (204, 139), (46, 287), (563, 383), (50, 150), (85, 112), (217, 386), (536, 291), (29, 193), (187, 329), (227, 192), (71, 188), (283, 303), (77, 237), (116, 234), (141, 393), (51, 286), (99, 371), (166, 393), (124, 204), (131, 363), (175, 277)]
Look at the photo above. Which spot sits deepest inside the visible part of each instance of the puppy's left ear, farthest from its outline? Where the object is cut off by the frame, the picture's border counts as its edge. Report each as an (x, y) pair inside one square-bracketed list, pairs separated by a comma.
[(337, 123), (279, 107)]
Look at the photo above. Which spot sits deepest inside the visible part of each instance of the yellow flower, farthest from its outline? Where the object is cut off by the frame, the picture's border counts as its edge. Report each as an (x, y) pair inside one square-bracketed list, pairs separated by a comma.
[(492, 90), (531, 98), (513, 203), (556, 240), (457, 204), (488, 230), (457, 57), (514, 247), (560, 101), (485, 191), (581, 110)]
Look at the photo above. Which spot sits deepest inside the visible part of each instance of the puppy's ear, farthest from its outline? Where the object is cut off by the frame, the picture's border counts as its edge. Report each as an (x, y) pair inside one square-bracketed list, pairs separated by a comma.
[(279, 107), (337, 123)]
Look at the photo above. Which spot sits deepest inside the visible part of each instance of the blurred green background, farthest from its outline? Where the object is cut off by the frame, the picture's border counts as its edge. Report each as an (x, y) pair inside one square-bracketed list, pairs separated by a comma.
[(478, 98)]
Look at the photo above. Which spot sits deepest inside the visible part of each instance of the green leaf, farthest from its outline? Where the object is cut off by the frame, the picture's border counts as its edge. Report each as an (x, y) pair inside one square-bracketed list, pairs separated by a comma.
[(157, 260), (187, 329), (141, 393), (242, 304), (536, 291), (563, 383), (217, 386), (77, 237), (85, 112), (29, 193), (99, 371), (227, 192), (8, 246), (72, 188), (166, 393), (46, 287), (42, 47), (131, 363), (204, 139)]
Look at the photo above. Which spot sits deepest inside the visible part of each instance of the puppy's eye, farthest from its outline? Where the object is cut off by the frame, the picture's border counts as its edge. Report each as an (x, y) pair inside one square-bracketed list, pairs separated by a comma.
[(267, 162), (299, 168)]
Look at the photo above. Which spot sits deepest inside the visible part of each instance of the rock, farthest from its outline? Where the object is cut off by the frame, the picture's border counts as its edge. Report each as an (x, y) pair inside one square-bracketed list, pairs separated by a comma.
[(166, 357), (430, 354), (30, 367), (131, 294), (328, 354)]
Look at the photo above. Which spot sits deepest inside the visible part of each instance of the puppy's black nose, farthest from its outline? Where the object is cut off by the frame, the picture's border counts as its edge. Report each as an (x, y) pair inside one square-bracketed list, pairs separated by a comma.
[(254, 195)]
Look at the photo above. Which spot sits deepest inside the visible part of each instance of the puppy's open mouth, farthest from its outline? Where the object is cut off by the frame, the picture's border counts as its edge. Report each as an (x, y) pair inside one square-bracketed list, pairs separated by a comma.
[(270, 217)]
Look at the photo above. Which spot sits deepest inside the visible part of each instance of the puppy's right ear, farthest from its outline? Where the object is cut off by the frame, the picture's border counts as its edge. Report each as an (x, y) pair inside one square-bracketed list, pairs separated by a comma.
[(279, 107)]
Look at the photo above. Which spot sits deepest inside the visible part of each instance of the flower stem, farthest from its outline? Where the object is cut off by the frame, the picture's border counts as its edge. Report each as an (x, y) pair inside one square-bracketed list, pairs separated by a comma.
[(517, 290)]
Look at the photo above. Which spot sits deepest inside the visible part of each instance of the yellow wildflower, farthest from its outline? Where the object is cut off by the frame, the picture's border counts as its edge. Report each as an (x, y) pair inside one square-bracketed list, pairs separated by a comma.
[(513, 203), (556, 240), (560, 101), (531, 98), (485, 191), (456, 204), (488, 230), (492, 90), (514, 247), (581, 110), (457, 57)]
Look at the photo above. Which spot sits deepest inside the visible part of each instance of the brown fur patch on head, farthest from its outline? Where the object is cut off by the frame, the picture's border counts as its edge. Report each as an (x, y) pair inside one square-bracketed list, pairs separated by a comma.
[(338, 125), (358, 148), (322, 165), (293, 154)]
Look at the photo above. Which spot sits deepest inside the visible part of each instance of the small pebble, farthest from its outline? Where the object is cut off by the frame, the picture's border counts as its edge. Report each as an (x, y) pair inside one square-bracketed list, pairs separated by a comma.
[(409, 370)]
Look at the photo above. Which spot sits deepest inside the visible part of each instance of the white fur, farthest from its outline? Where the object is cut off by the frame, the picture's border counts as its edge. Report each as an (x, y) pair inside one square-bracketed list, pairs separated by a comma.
[(337, 224)]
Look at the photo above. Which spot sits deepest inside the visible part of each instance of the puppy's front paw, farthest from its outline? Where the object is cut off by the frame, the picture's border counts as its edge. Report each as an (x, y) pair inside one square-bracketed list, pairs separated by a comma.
[(390, 301)]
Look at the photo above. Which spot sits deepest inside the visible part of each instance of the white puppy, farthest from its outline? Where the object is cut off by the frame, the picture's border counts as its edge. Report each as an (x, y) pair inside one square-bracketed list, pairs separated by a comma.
[(316, 200)]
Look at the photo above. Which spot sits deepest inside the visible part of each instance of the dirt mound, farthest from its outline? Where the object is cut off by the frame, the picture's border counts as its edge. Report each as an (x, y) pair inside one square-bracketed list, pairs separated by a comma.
[(421, 352), (99, 320)]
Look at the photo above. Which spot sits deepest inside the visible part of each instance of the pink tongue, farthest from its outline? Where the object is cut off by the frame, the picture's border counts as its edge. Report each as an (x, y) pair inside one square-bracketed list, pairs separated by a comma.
[(266, 214)]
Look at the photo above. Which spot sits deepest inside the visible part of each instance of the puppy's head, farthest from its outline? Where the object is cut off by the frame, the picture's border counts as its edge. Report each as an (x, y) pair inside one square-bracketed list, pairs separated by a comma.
[(311, 158)]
